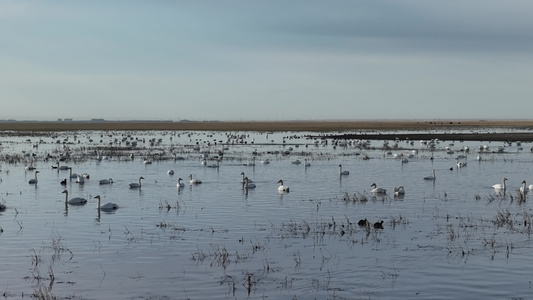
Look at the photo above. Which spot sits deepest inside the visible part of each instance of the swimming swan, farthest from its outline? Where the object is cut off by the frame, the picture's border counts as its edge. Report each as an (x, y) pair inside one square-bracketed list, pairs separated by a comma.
[(282, 188), (431, 177), (341, 172), (500, 186), (247, 184), (460, 164), (180, 183), (109, 206), (34, 180), (399, 190), (244, 176), (523, 189), (194, 180), (135, 185), (74, 201), (376, 190), (106, 181)]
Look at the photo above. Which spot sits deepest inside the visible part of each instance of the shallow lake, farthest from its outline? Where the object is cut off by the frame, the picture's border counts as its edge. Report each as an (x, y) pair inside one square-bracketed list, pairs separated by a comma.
[(452, 237)]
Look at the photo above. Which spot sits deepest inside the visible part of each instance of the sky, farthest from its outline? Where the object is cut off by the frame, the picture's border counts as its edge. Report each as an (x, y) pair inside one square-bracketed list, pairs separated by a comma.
[(270, 60)]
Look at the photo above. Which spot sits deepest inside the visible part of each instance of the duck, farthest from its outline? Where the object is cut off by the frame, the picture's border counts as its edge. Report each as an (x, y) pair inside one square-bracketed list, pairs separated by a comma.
[(399, 190), (431, 177), (376, 190), (282, 187), (109, 206), (500, 186), (341, 172), (247, 184), (74, 201), (194, 180), (63, 182), (378, 225), (363, 222), (106, 181), (135, 185), (34, 180), (170, 172)]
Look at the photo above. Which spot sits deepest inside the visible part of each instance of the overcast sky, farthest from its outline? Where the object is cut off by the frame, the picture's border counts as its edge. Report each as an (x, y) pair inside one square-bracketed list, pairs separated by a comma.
[(266, 60)]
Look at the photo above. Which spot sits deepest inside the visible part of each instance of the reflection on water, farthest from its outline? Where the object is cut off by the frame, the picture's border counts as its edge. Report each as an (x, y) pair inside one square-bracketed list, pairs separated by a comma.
[(219, 240)]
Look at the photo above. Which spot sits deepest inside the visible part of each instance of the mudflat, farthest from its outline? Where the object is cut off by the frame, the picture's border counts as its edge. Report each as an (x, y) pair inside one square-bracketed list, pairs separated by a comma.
[(318, 126), (471, 129)]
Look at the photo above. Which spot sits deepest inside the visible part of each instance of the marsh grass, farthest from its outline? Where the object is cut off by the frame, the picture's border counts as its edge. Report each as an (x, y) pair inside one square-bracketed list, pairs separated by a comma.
[(41, 290)]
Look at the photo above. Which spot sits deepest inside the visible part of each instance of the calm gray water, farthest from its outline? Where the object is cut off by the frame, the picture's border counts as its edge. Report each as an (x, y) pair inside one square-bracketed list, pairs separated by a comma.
[(454, 237)]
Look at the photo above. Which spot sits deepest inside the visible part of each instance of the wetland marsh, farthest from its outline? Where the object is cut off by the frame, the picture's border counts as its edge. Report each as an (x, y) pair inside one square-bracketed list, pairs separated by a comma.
[(451, 237)]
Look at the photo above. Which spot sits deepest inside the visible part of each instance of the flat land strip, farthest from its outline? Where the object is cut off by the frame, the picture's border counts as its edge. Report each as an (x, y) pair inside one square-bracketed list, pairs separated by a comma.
[(488, 130)]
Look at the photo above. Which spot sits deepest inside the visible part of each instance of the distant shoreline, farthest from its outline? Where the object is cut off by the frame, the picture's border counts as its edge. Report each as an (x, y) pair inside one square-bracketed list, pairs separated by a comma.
[(481, 130), (266, 126)]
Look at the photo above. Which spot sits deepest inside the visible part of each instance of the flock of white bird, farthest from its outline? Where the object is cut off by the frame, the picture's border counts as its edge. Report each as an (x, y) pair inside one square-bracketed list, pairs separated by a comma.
[(282, 188)]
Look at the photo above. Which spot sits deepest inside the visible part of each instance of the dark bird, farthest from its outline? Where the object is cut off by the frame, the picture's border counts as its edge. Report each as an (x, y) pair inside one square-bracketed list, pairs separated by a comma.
[(378, 225), (362, 222)]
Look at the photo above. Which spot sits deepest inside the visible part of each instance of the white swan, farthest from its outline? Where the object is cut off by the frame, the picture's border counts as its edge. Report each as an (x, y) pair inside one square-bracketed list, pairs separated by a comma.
[(500, 186), (135, 185), (282, 188), (399, 190), (194, 180), (376, 190), (244, 176), (80, 179), (109, 206), (341, 172), (34, 180), (523, 189), (460, 164), (74, 201), (180, 183), (531, 187), (247, 184), (431, 177), (106, 181), (170, 172)]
